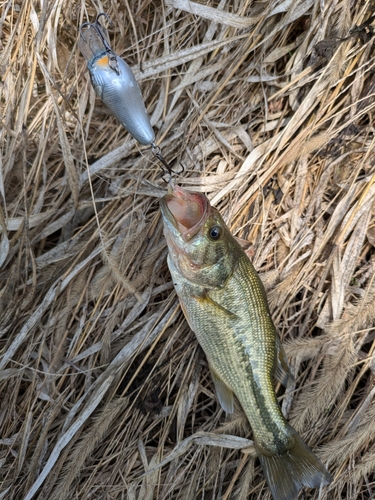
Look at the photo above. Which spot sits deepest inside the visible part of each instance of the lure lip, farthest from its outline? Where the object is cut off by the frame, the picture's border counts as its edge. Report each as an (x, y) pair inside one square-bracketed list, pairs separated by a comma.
[(174, 207), (97, 45)]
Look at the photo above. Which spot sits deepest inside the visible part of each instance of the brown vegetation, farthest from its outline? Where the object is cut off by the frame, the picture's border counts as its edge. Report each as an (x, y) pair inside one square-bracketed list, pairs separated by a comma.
[(269, 105)]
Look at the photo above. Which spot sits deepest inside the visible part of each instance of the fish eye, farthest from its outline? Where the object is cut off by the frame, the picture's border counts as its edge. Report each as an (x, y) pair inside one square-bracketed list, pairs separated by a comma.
[(214, 233)]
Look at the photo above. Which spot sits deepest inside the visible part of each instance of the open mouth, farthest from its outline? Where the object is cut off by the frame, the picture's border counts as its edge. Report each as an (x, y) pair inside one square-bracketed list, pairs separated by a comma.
[(187, 209)]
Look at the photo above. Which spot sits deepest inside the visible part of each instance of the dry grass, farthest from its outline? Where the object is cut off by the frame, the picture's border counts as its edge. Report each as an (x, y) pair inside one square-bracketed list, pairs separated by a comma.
[(104, 391)]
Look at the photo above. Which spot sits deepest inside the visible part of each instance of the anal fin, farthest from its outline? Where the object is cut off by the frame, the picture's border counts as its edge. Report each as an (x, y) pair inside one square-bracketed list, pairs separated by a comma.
[(224, 393), (282, 372)]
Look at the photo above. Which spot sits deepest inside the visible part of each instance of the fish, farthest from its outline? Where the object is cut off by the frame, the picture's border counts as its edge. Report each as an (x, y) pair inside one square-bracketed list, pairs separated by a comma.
[(225, 304), (114, 82)]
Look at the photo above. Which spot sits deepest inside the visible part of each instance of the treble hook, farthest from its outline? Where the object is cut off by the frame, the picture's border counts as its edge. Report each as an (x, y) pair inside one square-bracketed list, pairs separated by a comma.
[(98, 28), (166, 167), (106, 16)]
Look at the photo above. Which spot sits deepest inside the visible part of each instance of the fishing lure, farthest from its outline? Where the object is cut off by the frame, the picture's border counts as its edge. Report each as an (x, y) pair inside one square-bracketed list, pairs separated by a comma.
[(115, 84)]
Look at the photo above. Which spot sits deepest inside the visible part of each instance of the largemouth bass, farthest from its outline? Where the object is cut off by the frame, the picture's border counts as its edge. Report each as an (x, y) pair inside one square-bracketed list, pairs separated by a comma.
[(225, 305)]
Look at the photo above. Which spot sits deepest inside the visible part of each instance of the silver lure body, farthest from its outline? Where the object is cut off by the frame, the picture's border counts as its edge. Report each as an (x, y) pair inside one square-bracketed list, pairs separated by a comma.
[(115, 83), (120, 92)]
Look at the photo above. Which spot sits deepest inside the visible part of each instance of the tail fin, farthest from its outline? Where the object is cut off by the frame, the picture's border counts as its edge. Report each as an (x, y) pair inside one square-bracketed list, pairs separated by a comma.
[(287, 474)]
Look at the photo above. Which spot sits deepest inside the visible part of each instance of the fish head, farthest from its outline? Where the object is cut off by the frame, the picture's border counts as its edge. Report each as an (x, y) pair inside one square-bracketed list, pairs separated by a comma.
[(199, 242)]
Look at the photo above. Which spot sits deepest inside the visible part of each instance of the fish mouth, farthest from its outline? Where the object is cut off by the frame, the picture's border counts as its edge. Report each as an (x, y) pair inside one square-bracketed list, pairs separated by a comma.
[(185, 210)]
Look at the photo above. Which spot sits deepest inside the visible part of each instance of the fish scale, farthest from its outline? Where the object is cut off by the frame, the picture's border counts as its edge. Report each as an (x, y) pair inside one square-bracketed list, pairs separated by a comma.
[(225, 305)]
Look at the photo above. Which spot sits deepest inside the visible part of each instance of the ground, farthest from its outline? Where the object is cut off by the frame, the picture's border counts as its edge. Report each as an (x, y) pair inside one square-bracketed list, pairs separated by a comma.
[(269, 107)]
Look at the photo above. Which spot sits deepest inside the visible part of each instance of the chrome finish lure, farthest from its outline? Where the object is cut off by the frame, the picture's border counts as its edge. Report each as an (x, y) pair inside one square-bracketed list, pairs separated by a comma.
[(114, 82)]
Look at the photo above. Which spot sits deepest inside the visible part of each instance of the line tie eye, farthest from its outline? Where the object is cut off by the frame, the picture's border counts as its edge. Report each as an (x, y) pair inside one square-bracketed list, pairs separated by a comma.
[(214, 233)]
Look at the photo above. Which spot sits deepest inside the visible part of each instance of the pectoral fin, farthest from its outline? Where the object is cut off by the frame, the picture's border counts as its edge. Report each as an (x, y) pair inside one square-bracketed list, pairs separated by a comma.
[(205, 298), (282, 372), (224, 393)]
